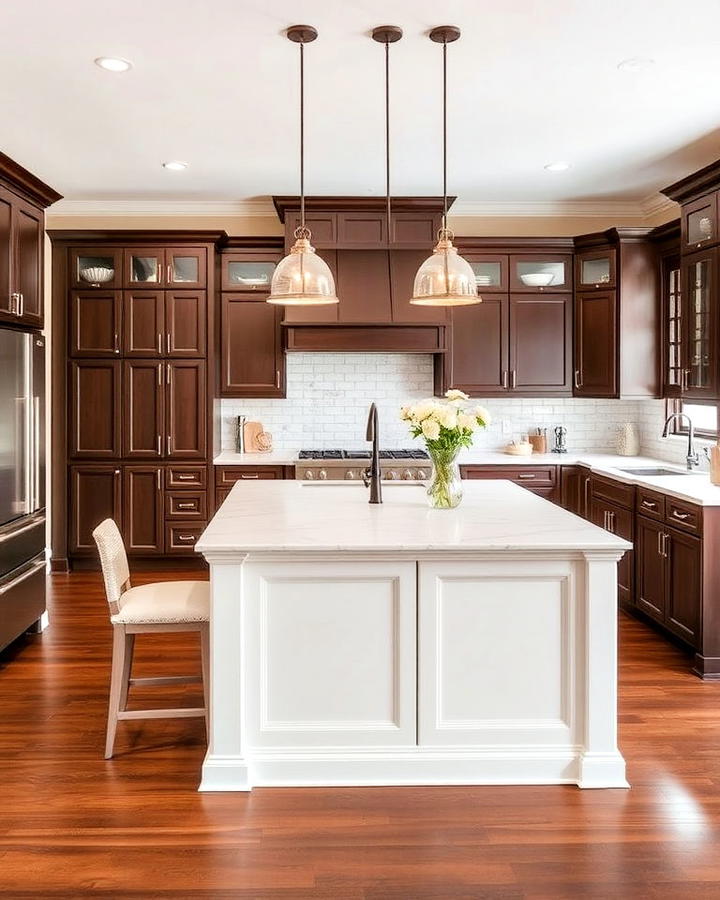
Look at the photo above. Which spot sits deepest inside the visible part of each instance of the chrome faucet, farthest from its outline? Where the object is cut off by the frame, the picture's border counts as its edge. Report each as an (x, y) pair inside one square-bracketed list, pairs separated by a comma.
[(372, 475), (692, 458)]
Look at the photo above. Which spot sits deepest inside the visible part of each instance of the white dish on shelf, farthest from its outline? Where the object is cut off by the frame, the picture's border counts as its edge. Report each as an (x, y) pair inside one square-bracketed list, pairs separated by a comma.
[(537, 279), (97, 274)]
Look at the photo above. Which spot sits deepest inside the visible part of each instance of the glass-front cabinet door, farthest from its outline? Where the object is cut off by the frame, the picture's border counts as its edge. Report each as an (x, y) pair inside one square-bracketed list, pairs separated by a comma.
[(95, 267), (536, 273), (185, 267), (699, 226), (595, 269), (144, 266), (247, 273), (673, 327), (699, 316), (491, 272)]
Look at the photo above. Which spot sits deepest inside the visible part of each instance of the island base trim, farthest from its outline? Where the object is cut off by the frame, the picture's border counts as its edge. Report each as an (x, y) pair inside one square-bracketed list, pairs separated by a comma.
[(367, 768), (602, 770)]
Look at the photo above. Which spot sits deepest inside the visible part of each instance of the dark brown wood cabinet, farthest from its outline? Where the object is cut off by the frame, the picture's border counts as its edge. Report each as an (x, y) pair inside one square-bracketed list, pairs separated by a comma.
[(699, 223), (541, 344), (155, 266), (618, 520), (95, 323), (144, 318), (143, 408), (617, 314), (363, 286), (23, 199), (143, 513), (95, 494), (539, 479), (596, 344), (651, 586), (481, 347), (252, 361), (699, 304), (403, 267), (95, 420), (573, 489), (185, 404), (186, 324)]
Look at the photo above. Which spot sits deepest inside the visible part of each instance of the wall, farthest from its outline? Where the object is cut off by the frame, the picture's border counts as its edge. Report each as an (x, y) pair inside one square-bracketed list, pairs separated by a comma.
[(329, 394)]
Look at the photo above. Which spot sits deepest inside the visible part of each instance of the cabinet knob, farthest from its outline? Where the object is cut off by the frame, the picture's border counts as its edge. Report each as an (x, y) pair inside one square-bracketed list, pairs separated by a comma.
[(322, 475)]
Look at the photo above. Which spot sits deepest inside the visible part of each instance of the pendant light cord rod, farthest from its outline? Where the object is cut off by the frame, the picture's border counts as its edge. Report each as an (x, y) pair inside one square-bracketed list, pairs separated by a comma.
[(387, 135), (444, 46), (302, 137)]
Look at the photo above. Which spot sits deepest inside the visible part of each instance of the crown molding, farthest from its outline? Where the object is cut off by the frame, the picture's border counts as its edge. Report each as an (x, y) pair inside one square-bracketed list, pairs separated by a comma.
[(173, 208), (263, 208)]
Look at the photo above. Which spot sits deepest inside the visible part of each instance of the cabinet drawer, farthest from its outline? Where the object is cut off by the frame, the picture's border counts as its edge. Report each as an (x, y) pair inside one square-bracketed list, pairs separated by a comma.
[(181, 537), (185, 505), (185, 477), (650, 504), (686, 516), (231, 474), (528, 476), (614, 491)]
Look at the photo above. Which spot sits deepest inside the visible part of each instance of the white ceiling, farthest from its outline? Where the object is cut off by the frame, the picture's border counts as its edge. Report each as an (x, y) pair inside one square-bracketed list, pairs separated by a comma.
[(215, 83)]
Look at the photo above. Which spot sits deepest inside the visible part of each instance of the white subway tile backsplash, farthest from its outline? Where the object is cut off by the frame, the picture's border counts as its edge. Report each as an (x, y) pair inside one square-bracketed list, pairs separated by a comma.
[(329, 394)]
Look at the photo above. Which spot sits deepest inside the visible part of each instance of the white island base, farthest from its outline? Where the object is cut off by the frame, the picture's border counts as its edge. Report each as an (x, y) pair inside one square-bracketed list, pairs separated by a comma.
[(386, 645)]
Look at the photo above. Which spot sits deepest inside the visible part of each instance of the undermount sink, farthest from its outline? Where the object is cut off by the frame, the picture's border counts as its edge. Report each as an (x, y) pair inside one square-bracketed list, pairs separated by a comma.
[(655, 472)]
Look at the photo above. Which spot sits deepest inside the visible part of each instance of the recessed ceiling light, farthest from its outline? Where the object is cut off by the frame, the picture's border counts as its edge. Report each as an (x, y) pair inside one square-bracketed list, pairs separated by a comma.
[(113, 63), (559, 166), (635, 64), (175, 165)]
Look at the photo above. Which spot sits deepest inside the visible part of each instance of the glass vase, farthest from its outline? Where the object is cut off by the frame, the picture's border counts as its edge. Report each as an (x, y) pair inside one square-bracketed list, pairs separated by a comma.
[(445, 488)]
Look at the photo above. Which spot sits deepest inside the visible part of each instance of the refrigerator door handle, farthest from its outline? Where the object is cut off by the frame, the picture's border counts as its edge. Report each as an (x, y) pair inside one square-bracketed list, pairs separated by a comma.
[(25, 575)]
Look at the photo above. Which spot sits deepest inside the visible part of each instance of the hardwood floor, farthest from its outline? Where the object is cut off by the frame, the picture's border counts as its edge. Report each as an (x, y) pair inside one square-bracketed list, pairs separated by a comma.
[(74, 825)]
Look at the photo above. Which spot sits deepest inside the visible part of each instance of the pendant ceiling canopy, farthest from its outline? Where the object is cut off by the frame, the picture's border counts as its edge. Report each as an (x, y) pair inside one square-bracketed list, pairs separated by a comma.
[(445, 278), (302, 278)]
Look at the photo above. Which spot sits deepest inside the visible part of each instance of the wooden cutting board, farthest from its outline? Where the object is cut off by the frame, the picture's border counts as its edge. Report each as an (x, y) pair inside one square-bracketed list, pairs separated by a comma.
[(252, 430)]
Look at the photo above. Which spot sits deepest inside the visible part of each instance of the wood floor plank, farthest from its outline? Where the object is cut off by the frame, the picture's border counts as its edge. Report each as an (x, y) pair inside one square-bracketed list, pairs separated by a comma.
[(74, 825)]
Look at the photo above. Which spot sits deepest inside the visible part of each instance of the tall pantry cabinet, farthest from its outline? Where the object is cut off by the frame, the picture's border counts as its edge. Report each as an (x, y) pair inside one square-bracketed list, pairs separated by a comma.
[(133, 320)]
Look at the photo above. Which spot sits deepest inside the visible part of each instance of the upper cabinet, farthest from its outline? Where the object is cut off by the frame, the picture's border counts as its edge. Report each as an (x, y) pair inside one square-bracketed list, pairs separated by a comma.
[(699, 222), (23, 198), (96, 269), (699, 369), (538, 274), (169, 267), (617, 315)]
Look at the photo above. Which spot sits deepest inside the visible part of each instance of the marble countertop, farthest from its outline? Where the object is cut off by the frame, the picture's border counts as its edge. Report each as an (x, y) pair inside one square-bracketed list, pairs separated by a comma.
[(321, 517)]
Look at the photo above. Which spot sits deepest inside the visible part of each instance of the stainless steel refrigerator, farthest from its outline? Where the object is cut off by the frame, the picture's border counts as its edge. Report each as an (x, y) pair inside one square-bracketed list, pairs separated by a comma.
[(22, 482)]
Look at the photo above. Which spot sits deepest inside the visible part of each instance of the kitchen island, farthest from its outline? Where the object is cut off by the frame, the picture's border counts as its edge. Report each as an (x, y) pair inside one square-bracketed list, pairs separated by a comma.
[(354, 644)]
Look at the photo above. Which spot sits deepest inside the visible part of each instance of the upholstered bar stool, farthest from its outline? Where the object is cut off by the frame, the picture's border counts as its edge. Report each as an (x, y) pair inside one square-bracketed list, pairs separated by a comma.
[(156, 608)]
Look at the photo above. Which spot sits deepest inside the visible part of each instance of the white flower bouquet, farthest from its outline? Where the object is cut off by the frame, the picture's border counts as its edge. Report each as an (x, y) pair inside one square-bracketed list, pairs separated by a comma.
[(447, 426)]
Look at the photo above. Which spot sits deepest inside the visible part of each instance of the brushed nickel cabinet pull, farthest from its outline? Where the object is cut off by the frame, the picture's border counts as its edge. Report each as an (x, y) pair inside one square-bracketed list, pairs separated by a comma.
[(158, 479), (605, 520), (181, 477), (681, 516), (277, 379), (666, 545), (167, 343), (187, 538), (169, 373), (649, 504), (660, 537), (117, 343), (187, 506), (611, 521), (524, 476), (169, 444), (246, 477), (159, 344), (159, 446), (160, 375), (578, 379), (505, 378), (513, 379), (21, 311)]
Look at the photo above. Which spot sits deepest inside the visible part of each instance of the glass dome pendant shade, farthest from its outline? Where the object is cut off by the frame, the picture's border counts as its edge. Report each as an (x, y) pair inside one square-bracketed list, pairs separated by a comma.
[(302, 278), (445, 278)]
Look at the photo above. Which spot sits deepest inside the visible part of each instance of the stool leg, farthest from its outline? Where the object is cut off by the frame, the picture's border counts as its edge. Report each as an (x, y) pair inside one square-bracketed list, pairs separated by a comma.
[(127, 667), (205, 656), (116, 686)]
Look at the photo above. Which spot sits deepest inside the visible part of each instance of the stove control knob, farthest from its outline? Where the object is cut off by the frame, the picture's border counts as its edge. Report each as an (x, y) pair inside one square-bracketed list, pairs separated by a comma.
[(350, 475), (421, 475), (408, 475), (322, 474), (309, 474), (392, 475)]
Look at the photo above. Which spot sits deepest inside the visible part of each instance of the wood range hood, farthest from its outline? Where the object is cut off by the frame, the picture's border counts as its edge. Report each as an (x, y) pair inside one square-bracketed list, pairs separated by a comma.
[(374, 272)]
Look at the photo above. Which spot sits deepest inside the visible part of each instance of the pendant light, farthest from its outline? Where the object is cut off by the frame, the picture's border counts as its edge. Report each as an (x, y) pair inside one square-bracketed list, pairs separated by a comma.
[(302, 278), (445, 278), (387, 34)]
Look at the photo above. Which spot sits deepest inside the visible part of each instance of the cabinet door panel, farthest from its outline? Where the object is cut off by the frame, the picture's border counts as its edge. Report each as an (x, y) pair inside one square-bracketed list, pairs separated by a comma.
[(651, 570), (480, 347), (185, 318), (596, 344), (143, 509), (185, 267), (684, 601), (700, 331), (7, 306), (95, 495), (619, 521), (186, 409), (253, 362), (95, 408), (28, 238), (541, 343), (95, 322), (144, 266), (144, 315), (95, 268), (363, 286), (698, 223), (143, 408), (403, 267), (572, 489)]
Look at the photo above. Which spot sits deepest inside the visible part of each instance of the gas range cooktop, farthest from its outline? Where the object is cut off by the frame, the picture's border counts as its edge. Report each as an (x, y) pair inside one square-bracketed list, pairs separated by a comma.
[(361, 454)]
